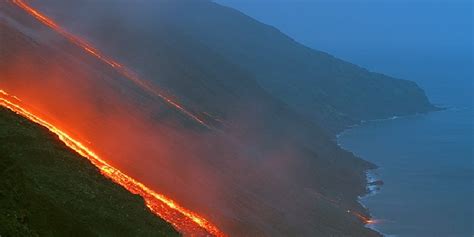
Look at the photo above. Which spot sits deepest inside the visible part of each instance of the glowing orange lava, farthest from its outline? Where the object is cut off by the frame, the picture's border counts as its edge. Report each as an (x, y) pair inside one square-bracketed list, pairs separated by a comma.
[(124, 71), (184, 220), (361, 217)]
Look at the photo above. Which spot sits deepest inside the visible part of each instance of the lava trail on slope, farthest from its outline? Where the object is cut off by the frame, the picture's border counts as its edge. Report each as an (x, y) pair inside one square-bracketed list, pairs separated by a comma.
[(185, 221), (123, 70)]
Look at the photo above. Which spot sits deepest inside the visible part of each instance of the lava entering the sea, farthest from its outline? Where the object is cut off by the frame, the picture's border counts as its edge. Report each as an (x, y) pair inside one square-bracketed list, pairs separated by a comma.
[(364, 219), (120, 68), (185, 221)]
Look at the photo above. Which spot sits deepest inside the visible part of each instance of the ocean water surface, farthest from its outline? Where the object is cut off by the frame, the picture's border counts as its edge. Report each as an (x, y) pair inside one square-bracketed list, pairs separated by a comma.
[(426, 164)]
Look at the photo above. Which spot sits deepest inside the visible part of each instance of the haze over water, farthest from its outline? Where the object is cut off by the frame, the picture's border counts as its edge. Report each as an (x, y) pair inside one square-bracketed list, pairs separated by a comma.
[(426, 161)]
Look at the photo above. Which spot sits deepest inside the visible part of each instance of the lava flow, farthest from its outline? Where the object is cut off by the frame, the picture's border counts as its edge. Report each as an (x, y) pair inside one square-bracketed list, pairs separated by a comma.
[(90, 49), (364, 219), (185, 221)]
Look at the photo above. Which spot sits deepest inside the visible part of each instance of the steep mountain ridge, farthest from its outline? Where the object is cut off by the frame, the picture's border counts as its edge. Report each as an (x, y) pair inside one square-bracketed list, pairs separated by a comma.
[(320, 86)]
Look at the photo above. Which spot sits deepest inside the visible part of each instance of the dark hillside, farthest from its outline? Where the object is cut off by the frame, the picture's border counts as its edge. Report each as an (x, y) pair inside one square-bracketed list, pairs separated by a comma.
[(334, 92), (226, 46), (48, 190)]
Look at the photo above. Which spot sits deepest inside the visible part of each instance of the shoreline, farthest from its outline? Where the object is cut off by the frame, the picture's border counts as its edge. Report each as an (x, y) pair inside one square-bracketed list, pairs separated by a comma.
[(370, 177), (372, 189), (374, 181)]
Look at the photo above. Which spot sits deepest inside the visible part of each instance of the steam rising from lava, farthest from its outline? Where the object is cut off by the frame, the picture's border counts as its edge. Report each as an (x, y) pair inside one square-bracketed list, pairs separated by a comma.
[(126, 72), (182, 219)]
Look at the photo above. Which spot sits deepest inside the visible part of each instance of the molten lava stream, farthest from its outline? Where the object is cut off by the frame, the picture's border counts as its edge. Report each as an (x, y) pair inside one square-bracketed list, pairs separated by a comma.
[(184, 220), (124, 71), (364, 219)]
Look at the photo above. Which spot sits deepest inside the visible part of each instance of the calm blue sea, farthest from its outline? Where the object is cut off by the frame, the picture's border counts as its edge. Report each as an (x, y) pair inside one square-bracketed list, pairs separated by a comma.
[(426, 164)]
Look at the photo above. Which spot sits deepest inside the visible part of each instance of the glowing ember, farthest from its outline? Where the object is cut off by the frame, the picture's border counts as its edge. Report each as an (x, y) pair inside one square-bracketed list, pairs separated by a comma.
[(361, 217), (370, 222), (184, 220), (124, 71)]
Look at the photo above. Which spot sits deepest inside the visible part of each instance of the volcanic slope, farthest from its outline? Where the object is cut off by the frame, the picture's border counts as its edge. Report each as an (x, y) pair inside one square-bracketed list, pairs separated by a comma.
[(334, 92), (46, 189)]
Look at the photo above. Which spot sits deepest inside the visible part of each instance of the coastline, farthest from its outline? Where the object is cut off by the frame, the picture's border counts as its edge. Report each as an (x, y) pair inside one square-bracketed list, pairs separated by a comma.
[(372, 189), (371, 176), (374, 181)]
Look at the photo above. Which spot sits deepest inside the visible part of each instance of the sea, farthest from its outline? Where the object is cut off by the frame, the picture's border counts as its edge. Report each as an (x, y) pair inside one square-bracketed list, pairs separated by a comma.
[(426, 164)]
